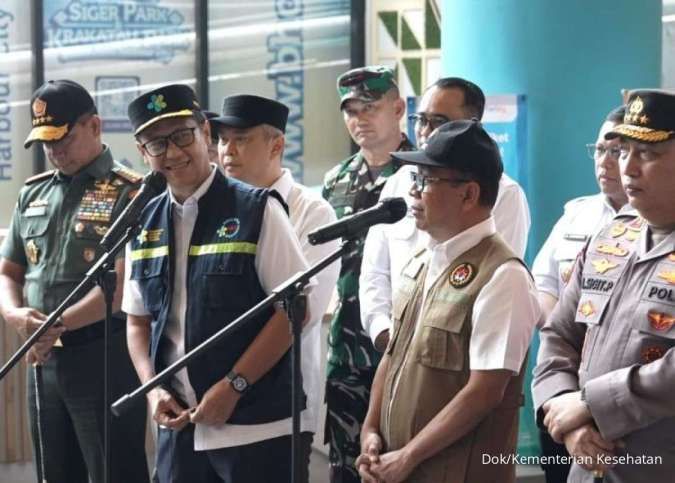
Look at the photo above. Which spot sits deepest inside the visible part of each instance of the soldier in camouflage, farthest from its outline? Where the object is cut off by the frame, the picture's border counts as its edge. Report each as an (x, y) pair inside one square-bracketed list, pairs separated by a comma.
[(372, 109), (52, 242)]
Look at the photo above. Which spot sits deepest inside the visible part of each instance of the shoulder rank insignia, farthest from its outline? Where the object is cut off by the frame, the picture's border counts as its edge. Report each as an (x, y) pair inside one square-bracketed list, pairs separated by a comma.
[(462, 275), (40, 177), (617, 250), (617, 230), (668, 276), (128, 174), (660, 321), (603, 265), (587, 309)]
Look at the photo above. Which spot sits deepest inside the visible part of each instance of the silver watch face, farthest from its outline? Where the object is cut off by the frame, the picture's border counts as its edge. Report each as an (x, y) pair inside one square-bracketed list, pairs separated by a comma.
[(239, 383)]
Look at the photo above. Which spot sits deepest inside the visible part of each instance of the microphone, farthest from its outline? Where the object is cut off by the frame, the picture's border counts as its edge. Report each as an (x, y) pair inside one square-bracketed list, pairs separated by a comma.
[(388, 210), (153, 184)]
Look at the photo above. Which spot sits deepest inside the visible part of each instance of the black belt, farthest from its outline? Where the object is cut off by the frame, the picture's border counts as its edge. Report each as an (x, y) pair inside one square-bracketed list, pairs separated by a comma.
[(90, 332)]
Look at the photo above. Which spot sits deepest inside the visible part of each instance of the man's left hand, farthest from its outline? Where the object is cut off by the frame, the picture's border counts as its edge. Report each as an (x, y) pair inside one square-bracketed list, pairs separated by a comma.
[(565, 413), (393, 467), (217, 405)]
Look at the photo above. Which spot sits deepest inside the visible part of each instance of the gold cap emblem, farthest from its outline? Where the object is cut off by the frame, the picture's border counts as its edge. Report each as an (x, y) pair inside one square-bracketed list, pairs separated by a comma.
[(636, 106), (39, 107)]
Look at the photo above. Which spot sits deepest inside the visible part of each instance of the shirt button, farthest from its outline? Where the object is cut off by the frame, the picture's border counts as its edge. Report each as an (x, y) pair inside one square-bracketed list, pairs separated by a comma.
[(146, 271)]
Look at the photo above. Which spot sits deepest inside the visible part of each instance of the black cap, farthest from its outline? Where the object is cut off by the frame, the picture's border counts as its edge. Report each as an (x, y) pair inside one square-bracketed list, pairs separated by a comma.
[(175, 100), (245, 111), (456, 145), (55, 107), (649, 118), (210, 114)]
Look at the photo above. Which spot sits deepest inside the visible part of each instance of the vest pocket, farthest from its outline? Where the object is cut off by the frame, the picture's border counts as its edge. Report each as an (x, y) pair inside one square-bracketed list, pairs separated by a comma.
[(440, 344), (223, 289)]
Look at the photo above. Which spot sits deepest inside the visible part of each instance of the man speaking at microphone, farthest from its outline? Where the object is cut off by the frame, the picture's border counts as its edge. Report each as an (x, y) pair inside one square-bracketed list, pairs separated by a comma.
[(52, 242), (210, 248), (445, 398)]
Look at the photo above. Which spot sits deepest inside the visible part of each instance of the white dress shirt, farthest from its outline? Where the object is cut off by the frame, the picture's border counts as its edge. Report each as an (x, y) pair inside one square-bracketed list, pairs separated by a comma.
[(582, 217), (278, 257), (506, 309), (389, 247), (309, 211)]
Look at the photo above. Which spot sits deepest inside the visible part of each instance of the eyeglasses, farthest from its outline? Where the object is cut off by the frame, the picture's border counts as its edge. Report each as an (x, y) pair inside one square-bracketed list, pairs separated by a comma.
[(423, 120), (182, 138), (421, 181), (597, 151)]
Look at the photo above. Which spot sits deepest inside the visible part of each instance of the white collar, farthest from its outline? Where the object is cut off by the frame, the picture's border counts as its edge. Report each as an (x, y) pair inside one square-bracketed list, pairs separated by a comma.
[(199, 192), (446, 252), (284, 183)]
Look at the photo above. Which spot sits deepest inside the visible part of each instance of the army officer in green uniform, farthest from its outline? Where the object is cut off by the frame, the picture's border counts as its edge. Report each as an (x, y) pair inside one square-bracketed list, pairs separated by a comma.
[(372, 109), (53, 240)]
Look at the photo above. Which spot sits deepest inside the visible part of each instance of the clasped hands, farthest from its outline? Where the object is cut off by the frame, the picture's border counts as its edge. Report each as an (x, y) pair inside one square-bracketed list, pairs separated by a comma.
[(214, 409), (569, 421), (373, 467)]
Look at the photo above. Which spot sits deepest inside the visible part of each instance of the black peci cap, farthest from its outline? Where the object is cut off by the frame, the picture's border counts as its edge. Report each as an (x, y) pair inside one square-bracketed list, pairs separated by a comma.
[(245, 111), (175, 100), (456, 145), (649, 118), (55, 107)]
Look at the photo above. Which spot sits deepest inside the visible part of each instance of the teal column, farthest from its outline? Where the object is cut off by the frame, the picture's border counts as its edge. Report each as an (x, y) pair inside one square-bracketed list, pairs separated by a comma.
[(570, 58)]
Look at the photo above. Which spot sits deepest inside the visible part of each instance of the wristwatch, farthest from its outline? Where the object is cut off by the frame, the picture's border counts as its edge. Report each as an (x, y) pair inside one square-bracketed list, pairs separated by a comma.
[(238, 382)]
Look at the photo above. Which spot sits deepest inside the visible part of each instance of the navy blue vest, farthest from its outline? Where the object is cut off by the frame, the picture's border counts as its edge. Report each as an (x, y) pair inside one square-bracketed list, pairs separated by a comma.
[(222, 284)]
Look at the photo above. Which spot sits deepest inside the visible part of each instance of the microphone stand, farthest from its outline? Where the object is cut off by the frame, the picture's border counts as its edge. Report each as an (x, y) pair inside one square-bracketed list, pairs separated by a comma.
[(102, 273), (290, 296)]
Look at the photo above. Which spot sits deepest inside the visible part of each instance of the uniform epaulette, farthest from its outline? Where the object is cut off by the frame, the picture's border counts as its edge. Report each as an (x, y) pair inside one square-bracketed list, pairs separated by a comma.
[(40, 177), (127, 174)]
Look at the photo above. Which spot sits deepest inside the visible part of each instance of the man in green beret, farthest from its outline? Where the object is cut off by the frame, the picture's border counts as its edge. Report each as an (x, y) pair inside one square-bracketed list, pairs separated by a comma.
[(372, 110)]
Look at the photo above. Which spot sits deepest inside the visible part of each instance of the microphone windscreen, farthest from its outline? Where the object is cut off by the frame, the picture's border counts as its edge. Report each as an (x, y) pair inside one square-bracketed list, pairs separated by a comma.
[(397, 208)]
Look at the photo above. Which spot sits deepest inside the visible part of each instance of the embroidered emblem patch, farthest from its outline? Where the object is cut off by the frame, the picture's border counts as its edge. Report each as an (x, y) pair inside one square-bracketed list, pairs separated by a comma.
[(607, 249), (660, 321), (229, 229), (587, 309), (603, 265), (668, 276), (149, 236), (462, 275), (651, 354), (89, 254), (156, 103), (39, 107)]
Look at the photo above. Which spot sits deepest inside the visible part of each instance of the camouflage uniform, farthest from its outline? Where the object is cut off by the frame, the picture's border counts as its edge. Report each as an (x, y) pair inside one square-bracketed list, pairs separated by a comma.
[(352, 359)]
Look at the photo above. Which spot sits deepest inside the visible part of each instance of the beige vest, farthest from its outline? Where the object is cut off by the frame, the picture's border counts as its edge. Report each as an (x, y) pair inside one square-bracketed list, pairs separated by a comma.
[(430, 365)]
